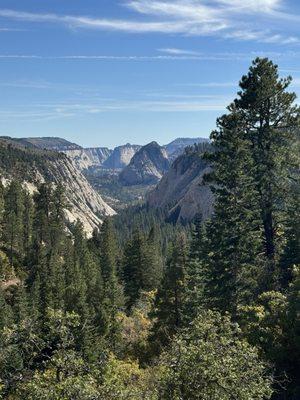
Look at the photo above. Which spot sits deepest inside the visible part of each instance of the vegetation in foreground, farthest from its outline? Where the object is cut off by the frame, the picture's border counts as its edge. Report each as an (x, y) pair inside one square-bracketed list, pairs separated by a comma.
[(155, 311)]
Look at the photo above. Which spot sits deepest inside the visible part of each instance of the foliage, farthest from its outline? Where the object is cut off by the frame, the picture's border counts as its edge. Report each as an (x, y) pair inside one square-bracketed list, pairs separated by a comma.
[(211, 360)]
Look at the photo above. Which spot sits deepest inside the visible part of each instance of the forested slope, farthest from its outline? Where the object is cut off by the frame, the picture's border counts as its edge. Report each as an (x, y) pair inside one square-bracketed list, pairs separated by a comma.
[(148, 310), (33, 166)]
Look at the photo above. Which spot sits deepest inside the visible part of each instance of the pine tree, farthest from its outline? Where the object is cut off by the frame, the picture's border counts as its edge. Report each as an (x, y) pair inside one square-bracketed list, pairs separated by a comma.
[(170, 299), (113, 293), (234, 233), (20, 303), (133, 265), (13, 219), (43, 203), (27, 225), (1, 207), (153, 264), (291, 253), (271, 120), (195, 271)]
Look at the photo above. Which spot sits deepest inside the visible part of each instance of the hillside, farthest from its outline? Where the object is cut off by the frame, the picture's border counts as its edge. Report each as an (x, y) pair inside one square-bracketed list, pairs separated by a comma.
[(34, 166), (49, 143), (181, 190)]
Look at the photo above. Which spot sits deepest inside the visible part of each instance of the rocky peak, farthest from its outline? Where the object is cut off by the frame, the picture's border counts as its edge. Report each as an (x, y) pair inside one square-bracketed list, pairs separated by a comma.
[(121, 156), (147, 166)]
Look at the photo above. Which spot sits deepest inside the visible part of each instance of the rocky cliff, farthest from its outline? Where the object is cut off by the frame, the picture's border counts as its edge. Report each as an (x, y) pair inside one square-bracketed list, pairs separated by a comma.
[(89, 157), (121, 156), (181, 191), (34, 166), (147, 166)]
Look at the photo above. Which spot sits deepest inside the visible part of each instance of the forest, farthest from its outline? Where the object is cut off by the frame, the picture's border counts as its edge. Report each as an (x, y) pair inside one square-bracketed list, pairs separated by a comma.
[(149, 309)]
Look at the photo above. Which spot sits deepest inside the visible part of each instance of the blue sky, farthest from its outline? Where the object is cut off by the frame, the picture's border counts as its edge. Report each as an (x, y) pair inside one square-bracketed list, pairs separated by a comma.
[(107, 72)]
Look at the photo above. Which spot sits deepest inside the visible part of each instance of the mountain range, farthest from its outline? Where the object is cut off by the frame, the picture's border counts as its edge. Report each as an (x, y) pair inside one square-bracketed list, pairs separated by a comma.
[(116, 158), (173, 173)]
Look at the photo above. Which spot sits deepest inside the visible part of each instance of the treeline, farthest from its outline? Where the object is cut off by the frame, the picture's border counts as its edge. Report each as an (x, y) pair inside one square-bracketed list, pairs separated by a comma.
[(148, 310)]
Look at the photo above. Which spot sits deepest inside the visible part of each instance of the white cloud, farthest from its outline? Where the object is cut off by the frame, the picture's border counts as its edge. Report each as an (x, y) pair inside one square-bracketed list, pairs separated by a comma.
[(231, 19), (228, 19), (176, 51), (253, 6)]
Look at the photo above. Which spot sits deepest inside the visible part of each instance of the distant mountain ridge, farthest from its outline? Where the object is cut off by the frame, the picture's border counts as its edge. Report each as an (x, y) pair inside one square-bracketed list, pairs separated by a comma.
[(177, 146), (115, 159), (49, 143), (147, 166)]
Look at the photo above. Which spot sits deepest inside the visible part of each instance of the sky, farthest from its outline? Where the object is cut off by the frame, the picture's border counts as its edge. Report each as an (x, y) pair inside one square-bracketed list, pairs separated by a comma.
[(109, 72)]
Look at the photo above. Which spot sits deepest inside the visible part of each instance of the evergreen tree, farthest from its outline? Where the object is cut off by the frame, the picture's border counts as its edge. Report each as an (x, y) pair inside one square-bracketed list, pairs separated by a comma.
[(133, 266), (291, 253), (20, 303), (234, 232), (169, 303), (13, 219), (113, 293), (1, 206), (195, 272), (142, 269), (27, 225), (153, 264), (271, 120)]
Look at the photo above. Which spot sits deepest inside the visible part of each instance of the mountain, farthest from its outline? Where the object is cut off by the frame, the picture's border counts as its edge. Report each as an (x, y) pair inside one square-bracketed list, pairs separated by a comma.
[(181, 190), (34, 166), (146, 167), (121, 156), (177, 146), (89, 157), (49, 143)]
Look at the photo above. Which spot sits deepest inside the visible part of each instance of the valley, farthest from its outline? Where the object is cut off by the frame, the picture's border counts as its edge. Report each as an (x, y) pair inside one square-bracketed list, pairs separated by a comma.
[(156, 272), (123, 175)]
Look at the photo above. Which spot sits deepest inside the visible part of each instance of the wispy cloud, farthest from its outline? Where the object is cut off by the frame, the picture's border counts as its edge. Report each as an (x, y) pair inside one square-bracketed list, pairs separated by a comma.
[(171, 55), (229, 19), (212, 84), (175, 51), (11, 30), (45, 112)]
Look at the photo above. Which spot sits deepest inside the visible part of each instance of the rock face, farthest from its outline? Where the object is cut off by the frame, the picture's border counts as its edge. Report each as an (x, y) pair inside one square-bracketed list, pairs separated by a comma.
[(121, 156), (181, 191), (90, 157), (177, 146), (146, 167), (34, 166)]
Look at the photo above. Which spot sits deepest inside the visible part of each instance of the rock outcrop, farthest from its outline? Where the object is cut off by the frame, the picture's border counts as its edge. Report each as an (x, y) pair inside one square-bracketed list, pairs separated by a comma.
[(181, 191), (121, 156), (89, 157), (147, 166)]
